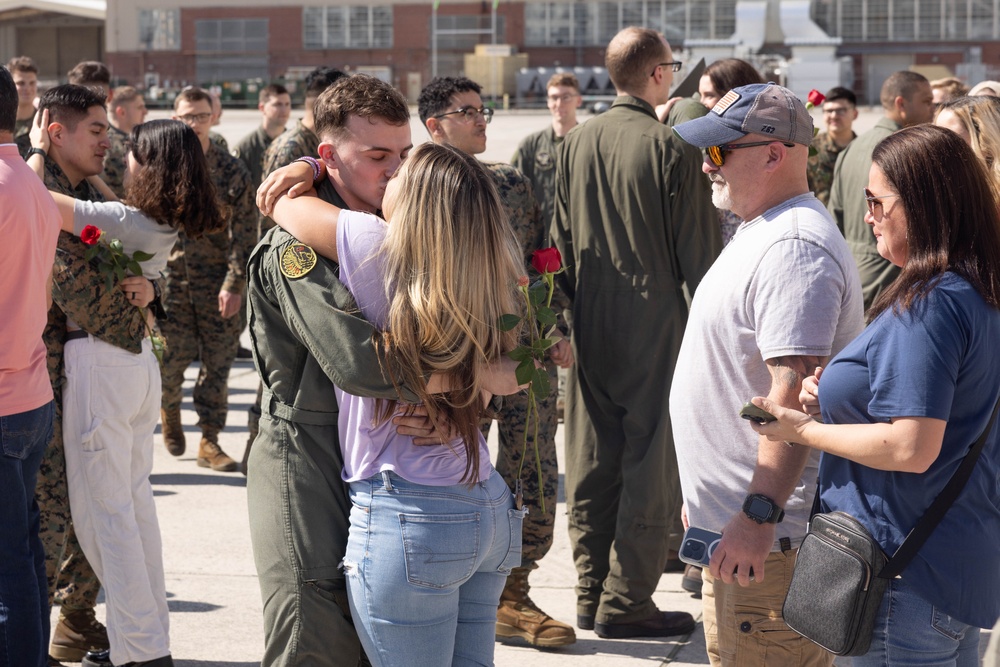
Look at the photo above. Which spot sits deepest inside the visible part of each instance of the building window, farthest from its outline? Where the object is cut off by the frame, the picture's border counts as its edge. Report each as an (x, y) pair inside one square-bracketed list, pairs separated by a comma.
[(352, 27), (463, 32), (231, 36), (595, 23), (908, 20), (159, 29)]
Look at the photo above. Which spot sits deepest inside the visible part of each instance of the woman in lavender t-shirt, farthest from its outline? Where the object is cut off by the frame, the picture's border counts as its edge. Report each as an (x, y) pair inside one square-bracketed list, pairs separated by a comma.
[(434, 531)]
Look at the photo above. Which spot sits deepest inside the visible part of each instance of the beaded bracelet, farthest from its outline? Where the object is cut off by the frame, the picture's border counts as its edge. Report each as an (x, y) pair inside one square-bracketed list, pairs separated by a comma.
[(314, 163)]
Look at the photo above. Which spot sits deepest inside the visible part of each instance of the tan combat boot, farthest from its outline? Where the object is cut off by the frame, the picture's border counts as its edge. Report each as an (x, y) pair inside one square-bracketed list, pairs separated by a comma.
[(210, 455), (173, 431), (518, 616), (75, 634)]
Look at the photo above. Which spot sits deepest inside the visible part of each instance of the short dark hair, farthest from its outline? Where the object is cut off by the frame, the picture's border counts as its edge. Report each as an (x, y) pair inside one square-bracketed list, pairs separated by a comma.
[(632, 55), (952, 220), (123, 95), (901, 84), (358, 95), (269, 91), (320, 79), (90, 73), (841, 93), (22, 64), (730, 73), (8, 102), (436, 95), (69, 103), (192, 94)]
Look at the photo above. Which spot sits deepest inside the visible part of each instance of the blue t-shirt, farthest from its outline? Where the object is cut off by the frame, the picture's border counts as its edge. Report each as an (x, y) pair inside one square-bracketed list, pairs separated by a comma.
[(939, 360)]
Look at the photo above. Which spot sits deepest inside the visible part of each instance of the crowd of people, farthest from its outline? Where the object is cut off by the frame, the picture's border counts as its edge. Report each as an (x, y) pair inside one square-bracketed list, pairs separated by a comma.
[(849, 285)]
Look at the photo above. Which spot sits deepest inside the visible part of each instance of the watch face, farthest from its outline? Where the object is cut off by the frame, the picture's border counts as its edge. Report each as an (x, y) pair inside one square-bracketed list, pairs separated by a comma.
[(759, 508)]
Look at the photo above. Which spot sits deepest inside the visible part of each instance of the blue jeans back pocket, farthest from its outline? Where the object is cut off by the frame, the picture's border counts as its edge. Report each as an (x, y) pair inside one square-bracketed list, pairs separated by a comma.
[(26, 432), (513, 558), (441, 550)]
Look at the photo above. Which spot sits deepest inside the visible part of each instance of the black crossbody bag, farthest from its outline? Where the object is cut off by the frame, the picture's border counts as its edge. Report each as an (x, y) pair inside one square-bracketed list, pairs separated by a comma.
[(841, 572)]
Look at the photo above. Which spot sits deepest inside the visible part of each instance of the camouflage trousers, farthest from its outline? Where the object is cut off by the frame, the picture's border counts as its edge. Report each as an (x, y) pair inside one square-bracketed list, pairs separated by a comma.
[(196, 330), (71, 579), (512, 420)]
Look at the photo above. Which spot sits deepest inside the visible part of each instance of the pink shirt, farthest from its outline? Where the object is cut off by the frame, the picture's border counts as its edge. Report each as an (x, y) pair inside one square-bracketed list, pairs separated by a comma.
[(29, 227)]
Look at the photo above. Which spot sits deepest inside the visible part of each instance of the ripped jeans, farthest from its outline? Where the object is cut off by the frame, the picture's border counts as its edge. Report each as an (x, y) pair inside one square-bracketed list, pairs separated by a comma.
[(425, 567)]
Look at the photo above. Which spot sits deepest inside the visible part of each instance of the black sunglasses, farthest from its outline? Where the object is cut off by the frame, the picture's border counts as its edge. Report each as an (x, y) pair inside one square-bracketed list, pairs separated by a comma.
[(718, 153)]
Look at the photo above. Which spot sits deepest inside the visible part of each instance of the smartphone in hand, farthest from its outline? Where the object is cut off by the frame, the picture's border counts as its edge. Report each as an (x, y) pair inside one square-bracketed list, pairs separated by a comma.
[(698, 545), (759, 415)]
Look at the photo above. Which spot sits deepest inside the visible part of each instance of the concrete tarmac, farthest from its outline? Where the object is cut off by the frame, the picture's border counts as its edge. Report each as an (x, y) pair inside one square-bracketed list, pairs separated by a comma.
[(214, 599)]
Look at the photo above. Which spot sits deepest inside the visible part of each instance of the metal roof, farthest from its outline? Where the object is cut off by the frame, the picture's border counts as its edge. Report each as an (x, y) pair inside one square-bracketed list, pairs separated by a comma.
[(94, 9)]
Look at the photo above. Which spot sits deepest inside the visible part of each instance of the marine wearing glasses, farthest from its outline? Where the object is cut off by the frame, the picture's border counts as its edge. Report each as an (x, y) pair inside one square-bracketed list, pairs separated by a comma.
[(469, 113)]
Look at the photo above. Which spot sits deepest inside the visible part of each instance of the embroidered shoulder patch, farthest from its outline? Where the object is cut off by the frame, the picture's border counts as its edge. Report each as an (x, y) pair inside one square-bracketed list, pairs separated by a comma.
[(728, 100), (297, 260)]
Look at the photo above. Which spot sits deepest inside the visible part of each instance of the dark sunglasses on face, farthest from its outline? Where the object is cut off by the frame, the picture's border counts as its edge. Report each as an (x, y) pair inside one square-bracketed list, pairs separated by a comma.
[(717, 154), (875, 204)]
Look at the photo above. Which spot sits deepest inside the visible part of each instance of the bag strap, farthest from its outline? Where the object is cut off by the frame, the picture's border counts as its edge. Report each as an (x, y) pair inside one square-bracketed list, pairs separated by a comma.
[(932, 517)]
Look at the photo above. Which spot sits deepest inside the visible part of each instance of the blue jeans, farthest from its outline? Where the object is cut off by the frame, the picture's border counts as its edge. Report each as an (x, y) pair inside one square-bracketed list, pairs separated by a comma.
[(910, 632), (24, 598), (425, 567)]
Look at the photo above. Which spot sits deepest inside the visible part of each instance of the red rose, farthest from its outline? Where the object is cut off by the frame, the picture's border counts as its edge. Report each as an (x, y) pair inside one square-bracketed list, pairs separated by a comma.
[(816, 98), (90, 235), (546, 260)]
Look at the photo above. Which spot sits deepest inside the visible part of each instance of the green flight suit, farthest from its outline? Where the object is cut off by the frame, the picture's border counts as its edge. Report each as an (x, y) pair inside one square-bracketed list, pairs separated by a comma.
[(304, 340), (848, 207), (634, 221), (535, 157), (79, 292)]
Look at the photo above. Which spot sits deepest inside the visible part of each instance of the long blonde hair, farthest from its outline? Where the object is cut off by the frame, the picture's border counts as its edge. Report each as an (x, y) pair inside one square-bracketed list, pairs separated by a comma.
[(452, 264)]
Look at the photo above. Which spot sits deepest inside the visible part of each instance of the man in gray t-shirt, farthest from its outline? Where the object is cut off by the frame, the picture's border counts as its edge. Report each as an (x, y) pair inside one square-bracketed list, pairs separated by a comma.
[(782, 298)]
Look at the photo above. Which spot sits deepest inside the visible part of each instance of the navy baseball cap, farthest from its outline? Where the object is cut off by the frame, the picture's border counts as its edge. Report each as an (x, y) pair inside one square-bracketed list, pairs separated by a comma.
[(760, 108)]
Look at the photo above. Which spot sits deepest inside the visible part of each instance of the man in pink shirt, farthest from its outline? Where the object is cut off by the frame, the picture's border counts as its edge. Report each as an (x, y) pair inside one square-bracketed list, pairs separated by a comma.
[(29, 225)]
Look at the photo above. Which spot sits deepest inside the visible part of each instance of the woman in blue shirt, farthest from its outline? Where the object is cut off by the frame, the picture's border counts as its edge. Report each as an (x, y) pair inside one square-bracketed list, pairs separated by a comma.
[(902, 404)]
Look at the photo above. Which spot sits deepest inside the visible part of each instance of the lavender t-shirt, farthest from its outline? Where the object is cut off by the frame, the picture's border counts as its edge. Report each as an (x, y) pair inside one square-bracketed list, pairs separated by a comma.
[(368, 448)]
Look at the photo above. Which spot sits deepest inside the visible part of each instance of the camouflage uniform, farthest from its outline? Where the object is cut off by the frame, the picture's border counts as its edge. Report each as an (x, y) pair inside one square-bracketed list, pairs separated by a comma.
[(292, 144), (820, 167), (21, 138), (197, 271), (250, 151), (523, 211), (114, 161), (217, 139), (79, 293)]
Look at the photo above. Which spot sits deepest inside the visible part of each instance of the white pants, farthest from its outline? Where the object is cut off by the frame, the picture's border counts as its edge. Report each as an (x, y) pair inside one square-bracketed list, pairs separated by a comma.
[(110, 409)]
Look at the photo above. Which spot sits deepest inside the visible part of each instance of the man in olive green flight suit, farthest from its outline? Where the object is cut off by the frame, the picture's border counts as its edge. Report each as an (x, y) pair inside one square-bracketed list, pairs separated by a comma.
[(303, 342), (906, 100), (635, 222)]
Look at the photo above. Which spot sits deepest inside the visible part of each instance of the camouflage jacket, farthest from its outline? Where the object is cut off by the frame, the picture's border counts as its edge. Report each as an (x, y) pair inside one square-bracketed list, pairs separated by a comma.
[(219, 140), (79, 291), (217, 261), (21, 138), (820, 167), (525, 217), (292, 144), (114, 161)]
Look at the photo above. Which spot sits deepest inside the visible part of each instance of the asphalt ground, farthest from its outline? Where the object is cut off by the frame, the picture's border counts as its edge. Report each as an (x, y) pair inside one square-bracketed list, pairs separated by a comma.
[(214, 600)]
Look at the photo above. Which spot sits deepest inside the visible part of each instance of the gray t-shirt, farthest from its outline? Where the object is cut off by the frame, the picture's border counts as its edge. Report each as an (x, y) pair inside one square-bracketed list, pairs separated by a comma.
[(786, 285), (131, 227)]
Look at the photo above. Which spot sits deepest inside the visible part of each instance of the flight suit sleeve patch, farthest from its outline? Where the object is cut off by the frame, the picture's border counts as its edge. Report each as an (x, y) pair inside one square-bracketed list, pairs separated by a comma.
[(297, 260)]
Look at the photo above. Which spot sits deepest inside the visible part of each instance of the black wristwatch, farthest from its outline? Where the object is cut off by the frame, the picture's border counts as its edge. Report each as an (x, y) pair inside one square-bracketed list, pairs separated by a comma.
[(762, 509), (35, 151)]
